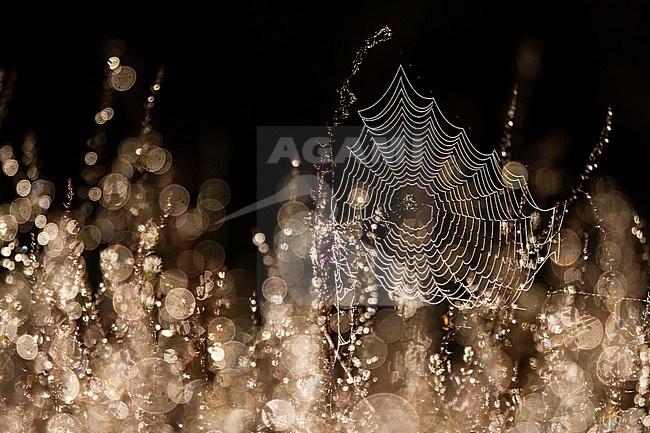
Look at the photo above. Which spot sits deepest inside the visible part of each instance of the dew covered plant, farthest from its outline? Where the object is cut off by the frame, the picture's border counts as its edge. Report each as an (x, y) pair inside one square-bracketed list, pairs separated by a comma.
[(426, 292)]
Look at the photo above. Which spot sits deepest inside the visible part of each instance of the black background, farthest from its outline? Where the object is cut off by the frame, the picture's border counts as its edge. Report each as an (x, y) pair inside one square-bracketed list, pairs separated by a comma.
[(233, 66)]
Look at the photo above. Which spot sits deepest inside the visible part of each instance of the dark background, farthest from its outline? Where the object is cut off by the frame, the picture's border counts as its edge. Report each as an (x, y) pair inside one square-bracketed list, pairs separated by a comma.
[(235, 66)]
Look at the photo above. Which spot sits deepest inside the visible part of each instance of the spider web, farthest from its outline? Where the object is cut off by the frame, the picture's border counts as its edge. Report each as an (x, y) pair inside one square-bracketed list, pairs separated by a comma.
[(421, 213)]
